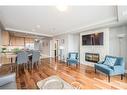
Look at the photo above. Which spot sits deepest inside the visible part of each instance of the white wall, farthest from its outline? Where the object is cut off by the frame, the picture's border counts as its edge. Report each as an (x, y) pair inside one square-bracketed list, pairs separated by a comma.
[(0, 38), (101, 49), (70, 44), (36, 45), (112, 44), (73, 42), (118, 47), (0, 45), (122, 13), (45, 47), (62, 41)]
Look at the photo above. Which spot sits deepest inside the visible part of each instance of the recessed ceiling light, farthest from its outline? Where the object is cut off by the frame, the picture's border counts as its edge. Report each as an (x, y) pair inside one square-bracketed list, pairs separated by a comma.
[(62, 8)]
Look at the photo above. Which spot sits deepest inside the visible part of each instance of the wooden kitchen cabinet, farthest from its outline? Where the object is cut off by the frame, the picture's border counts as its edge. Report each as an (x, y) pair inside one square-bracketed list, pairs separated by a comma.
[(22, 41), (29, 40), (17, 41), (5, 38), (13, 41), (26, 40)]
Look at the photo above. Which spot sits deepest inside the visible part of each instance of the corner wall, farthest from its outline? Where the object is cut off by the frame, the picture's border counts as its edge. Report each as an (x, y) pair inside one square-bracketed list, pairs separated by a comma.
[(70, 42), (62, 41), (45, 47), (73, 42), (118, 46), (114, 45)]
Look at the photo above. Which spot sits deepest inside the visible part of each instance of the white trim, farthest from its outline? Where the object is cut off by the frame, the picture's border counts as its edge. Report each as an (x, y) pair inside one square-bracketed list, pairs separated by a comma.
[(100, 24), (23, 31)]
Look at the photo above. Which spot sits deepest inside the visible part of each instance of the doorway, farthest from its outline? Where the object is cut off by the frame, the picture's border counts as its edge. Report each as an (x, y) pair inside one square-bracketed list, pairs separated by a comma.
[(56, 49)]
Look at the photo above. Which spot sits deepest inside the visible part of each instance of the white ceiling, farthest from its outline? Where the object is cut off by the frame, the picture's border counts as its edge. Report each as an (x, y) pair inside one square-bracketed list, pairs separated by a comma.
[(52, 21)]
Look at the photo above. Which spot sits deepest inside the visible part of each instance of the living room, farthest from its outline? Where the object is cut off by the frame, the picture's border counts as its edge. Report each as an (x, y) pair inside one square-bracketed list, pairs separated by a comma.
[(64, 47), (114, 43)]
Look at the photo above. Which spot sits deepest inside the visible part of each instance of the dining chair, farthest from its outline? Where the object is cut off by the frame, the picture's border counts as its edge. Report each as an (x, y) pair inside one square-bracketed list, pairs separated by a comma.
[(22, 59), (35, 58)]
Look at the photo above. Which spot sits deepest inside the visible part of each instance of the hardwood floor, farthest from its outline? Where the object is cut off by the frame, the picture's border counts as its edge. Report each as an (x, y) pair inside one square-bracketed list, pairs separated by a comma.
[(83, 76)]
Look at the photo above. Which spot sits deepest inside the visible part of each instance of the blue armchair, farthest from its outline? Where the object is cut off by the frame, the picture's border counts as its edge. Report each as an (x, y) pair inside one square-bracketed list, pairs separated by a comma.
[(111, 66), (73, 58)]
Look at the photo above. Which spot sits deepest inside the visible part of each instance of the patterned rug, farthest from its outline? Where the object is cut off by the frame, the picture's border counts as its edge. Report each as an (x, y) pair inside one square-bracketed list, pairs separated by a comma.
[(54, 82)]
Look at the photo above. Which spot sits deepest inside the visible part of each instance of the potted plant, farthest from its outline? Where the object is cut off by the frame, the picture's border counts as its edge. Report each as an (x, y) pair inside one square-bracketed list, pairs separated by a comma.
[(4, 50), (16, 50)]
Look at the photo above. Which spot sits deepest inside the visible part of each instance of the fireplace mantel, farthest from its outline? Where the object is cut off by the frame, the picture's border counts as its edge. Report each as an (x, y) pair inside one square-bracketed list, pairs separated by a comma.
[(102, 50)]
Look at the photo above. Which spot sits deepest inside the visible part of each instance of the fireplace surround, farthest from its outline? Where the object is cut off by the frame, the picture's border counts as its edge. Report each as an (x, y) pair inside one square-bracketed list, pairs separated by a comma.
[(92, 57)]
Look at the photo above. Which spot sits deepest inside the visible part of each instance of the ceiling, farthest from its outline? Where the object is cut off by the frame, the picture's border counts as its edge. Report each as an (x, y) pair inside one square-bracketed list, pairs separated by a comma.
[(49, 21)]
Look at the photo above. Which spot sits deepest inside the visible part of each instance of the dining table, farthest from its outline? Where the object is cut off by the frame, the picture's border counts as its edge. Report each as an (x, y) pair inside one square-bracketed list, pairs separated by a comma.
[(9, 58)]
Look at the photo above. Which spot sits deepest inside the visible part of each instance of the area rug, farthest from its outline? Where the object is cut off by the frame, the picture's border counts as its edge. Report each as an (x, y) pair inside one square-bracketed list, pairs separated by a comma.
[(54, 82)]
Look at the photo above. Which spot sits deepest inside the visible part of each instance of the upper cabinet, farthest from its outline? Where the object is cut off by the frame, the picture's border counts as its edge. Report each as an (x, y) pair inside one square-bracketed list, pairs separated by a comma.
[(12, 40), (17, 41), (5, 38), (26, 40), (29, 40)]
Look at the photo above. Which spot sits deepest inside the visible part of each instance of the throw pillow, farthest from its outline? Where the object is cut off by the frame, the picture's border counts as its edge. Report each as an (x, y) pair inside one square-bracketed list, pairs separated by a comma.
[(110, 61), (73, 56)]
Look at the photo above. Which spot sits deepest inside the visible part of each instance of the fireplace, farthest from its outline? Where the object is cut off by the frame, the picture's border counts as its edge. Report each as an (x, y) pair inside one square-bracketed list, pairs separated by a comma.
[(92, 57)]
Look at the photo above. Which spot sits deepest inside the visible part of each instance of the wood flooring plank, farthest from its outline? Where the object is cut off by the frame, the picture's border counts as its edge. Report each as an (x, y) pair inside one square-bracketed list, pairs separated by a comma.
[(83, 77)]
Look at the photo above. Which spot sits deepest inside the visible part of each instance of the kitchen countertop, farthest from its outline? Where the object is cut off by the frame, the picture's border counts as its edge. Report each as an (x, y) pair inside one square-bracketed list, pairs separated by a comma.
[(7, 57)]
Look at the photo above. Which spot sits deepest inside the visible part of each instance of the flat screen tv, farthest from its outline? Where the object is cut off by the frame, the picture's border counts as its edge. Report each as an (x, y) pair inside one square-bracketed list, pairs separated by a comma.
[(93, 39)]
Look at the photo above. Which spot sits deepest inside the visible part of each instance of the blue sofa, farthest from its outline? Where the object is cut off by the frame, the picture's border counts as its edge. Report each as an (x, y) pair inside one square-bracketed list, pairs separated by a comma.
[(73, 58), (8, 81), (111, 66)]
